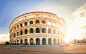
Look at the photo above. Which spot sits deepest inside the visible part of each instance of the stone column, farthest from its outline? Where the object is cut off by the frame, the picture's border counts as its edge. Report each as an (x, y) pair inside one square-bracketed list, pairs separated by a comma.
[(28, 41), (23, 31), (56, 41), (46, 41), (28, 23), (52, 41), (23, 24), (16, 42), (51, 31), (33, 21), (40, 21), (19, 41), (40, 29), (34, 41), (40, 41), (34, 30), (46, 30)]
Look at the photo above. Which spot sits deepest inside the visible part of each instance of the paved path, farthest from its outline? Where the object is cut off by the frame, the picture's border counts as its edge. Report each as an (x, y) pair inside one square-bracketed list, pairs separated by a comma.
[(42, 49)]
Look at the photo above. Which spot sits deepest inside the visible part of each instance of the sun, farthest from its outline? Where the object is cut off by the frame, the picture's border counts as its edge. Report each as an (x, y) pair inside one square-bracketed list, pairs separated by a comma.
[(67, 39)]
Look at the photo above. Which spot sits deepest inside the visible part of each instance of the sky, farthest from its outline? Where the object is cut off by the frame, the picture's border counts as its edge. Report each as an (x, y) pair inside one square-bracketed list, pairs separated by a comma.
[(72, 11)]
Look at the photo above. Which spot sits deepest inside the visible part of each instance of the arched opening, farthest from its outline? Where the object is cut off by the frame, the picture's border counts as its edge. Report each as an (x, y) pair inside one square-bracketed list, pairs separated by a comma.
[(43, 22), (17, 26), (37, 30), (37, 21), (49, 41), (21, 25), (54, 41), (21, 32), (43, 41), (37, 41), (49, 31), (31, 30), (31, 41), (26, 42), (31, 22), (17, 33), (25, 31), (43, 30), (53, 31), (25, 23), (14, 34), (21, 42)]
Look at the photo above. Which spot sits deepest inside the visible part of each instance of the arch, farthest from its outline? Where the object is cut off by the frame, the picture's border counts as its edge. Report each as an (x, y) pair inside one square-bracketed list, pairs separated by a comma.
[(43, 22), (21, 41), (37, 41), (37, 21), (31, 30), (37, 30), (53, 31), (43, 41), (25, 23), (31, 41), (25, 31), (14, 34), (49, 31), (26, 43), (54, 41), (17, 26), (21, 32), (31, 22), (21, 24), (43, 30), (49, 41), (17, 33)]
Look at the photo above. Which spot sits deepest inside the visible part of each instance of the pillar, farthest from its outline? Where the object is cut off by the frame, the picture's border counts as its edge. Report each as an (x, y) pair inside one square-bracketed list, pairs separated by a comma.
[(28, 41), (34, 41), (46, 30), (40, 41), (46, 41), (40, 29)]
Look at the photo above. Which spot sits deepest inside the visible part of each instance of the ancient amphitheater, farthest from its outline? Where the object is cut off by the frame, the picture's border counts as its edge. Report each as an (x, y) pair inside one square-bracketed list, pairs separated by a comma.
[(39, 28)]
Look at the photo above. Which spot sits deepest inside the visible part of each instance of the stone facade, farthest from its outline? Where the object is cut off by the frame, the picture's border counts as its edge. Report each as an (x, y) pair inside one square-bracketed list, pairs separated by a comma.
[(39, 28)]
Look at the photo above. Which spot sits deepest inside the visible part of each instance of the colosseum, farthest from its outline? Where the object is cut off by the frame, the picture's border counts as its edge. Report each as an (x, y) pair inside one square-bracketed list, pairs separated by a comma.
[(37, 28)]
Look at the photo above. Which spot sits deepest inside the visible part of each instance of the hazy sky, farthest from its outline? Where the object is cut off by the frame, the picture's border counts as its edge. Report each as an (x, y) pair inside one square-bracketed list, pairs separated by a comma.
[(73, 12)]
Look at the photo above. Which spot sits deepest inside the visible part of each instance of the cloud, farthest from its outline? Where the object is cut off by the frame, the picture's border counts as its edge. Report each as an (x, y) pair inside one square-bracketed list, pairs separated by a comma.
[(4, 37), (78, 28)]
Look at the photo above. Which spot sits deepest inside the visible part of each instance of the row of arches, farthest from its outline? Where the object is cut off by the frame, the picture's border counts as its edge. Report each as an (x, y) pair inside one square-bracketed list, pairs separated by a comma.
[(31, 22), (37, 41), (37, 31)]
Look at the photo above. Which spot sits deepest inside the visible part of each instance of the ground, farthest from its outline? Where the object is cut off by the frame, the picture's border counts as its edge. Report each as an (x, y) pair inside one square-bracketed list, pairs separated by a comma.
[(51, 49)]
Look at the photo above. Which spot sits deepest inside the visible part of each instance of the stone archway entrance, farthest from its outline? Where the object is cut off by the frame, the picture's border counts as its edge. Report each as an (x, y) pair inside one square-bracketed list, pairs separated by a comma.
[(54, 41), (49, 41), (31, 41), (43, 41), (21, 42), (26, 42), (37, 41)]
